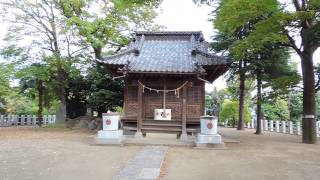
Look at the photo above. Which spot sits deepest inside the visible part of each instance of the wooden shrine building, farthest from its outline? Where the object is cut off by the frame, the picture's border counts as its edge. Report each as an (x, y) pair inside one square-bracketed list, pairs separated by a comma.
[(165, 75)]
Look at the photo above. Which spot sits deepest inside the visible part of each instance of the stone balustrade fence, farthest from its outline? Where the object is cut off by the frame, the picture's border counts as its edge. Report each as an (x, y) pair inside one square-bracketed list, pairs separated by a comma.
[(25, 120), (287, 127)]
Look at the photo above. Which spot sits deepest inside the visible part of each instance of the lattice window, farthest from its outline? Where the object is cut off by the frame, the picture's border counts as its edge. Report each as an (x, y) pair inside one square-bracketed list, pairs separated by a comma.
[(194, 95), (132, 93)]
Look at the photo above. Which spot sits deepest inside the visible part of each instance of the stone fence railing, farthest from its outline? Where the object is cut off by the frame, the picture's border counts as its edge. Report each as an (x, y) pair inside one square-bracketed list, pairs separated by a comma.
[(25, 120), (282, 127)]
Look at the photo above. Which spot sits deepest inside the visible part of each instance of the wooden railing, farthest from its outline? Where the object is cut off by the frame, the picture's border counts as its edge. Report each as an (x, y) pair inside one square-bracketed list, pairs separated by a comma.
[(25, 120)]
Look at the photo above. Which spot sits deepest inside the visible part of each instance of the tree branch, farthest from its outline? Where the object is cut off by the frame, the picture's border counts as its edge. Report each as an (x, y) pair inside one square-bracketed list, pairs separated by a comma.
[(296, 5), (292, 43)]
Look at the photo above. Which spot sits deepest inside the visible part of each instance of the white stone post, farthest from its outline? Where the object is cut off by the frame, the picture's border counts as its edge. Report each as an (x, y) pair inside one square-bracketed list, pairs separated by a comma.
[(284, 128), (271, 125), (277, 126), (252, 123), (44, 119), (1, 120), (5, 120), (54, 119), (265, 125), (28, 120), (8, 120), (290, 127), (317, 128), (16, 120), (49, 119), (298, 128), (34, 120), (22, 120)]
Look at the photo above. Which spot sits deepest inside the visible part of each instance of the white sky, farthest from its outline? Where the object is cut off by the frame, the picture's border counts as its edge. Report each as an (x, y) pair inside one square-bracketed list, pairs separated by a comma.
[(184, 15)]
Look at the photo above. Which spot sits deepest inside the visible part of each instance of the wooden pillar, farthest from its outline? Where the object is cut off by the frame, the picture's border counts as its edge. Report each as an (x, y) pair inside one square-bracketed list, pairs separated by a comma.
[(184, 136), (140, 106)]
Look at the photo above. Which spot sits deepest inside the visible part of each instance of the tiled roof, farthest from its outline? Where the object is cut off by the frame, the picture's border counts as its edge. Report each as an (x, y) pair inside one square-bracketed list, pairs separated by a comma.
[(167, 52)]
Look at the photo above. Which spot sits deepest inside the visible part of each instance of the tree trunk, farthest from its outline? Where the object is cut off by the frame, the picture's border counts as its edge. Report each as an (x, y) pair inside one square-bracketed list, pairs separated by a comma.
[(98, 52), (308, 121), (62, 110), (40, 89), (241, 95), (259, 100)]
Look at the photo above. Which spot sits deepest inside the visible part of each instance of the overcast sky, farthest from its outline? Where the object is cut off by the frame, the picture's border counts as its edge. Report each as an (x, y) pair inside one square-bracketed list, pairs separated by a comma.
[(184, 15)]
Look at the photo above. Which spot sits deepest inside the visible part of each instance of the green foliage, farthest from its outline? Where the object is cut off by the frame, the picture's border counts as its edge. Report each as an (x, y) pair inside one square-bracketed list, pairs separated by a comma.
[(277, 109), (115, 19), (214, 100), (50, 41), (295, 105), (105, 92), (230, 112), (233, 88), (318, 106), (119, 109)]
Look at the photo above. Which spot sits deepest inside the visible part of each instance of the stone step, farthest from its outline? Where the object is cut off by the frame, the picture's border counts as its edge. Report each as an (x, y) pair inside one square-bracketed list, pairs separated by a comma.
[(162, 129), (162, 124)]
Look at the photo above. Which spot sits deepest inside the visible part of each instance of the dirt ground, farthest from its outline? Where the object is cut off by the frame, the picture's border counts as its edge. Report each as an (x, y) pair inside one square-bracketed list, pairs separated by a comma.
[(33, 153), (269, 156), (58, 154)]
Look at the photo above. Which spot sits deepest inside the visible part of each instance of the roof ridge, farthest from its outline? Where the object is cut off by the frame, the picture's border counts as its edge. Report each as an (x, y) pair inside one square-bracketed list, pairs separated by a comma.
[(127, 51), (168, 32)]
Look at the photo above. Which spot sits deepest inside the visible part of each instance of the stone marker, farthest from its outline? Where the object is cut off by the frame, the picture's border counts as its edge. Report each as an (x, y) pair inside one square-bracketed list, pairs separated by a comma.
[(271, 125), (61, 114), (1, 120), (298, 128), (252, 123), (22, 120), (290, 127), (34, 120), (317, 128), (284, 127), (209, 133), (110, 133), (28, 120), (265, 125), (277, 126)]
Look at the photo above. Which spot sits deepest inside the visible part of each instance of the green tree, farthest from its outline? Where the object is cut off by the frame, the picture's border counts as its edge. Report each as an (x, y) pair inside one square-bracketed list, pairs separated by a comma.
[(105, 93), (5, 73), (35, 77), (39, 29), (276, 109), (273, 23), (214, 101), (230, 112), (112, 27)]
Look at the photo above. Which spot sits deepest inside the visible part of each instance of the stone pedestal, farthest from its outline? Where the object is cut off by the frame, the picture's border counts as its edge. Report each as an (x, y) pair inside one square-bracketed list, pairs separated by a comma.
[(109, 137), (110, 134), (209, 136)]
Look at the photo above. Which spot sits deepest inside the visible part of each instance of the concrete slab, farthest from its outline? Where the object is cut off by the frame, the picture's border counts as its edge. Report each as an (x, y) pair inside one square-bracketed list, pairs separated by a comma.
[(145, 165)]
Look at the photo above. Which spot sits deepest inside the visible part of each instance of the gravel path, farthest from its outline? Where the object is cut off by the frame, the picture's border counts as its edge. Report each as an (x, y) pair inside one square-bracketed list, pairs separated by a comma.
[(273, 156), (62, 154), (58, 154)]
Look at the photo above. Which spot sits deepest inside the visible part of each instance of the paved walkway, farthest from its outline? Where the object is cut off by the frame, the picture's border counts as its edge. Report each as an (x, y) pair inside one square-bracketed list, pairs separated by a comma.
[(145, 165)]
